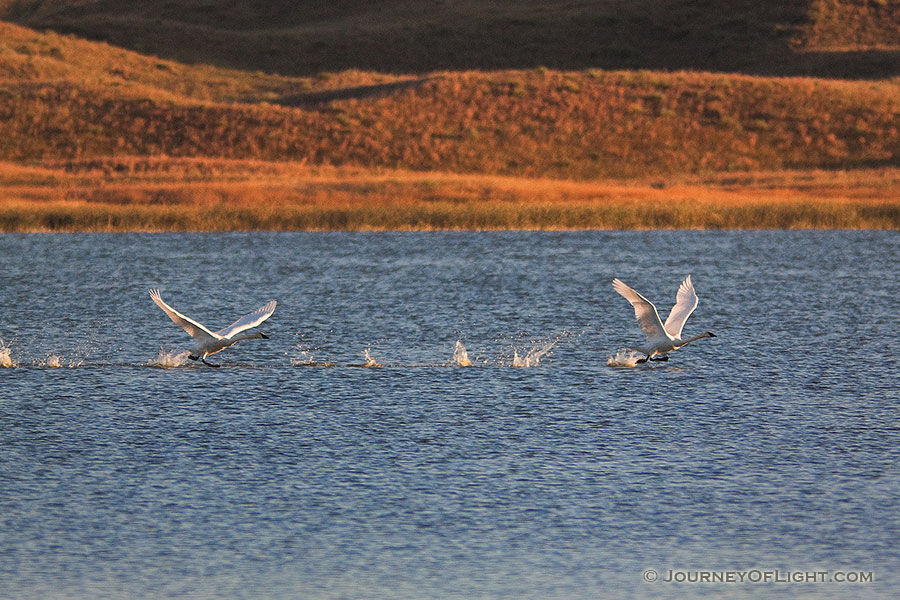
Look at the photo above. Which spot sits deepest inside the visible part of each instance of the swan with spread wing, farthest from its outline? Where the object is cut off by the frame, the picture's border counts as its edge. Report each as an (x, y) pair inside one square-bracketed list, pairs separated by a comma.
[(208, 342), (663, 338)]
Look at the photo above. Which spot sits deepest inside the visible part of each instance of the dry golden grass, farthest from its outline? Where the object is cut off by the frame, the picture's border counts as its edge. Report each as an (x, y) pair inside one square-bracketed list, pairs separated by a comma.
[(203, 195), (582, 125)]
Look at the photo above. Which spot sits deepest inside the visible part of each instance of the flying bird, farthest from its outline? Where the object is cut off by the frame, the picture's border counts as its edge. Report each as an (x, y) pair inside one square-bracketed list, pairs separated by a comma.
[(207, 342), (663, 338)]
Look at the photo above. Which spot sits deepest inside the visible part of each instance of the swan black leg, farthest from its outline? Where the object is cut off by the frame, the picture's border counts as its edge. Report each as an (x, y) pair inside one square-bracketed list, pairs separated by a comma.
[(209, 364)]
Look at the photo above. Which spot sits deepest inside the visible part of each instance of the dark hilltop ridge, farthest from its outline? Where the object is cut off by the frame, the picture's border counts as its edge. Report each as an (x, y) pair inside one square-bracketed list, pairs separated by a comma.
[(820, 38)]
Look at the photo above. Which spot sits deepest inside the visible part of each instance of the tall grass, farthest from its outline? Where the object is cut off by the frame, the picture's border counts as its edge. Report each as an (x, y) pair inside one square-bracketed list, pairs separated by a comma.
[(230, 196), (88, 217)]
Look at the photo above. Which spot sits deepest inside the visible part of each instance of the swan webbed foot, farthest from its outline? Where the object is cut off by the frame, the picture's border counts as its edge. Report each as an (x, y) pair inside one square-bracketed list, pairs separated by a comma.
[(642, 360), (209, 364), (193, 357), (662, 358)]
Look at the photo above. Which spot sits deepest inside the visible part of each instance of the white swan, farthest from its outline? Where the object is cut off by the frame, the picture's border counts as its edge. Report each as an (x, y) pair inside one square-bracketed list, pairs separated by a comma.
[(207, 342), (662, 339)]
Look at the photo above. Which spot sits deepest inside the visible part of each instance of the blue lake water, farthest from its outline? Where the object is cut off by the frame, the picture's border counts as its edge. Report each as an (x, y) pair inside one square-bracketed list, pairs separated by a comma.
[(294, 472)]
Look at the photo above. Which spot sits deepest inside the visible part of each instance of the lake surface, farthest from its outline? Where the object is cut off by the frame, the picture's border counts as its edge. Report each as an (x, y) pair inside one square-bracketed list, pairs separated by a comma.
[(294, 472)]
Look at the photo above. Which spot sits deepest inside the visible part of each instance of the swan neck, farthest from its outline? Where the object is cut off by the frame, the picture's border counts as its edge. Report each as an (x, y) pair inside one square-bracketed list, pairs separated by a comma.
[(246, 336), (694, 338)]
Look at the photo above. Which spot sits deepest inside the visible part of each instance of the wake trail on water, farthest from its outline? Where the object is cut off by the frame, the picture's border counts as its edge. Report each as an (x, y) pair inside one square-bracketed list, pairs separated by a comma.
[(525, 354)]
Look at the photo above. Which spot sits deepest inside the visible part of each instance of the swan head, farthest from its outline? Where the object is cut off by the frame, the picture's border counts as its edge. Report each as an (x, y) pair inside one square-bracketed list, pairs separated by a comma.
[(265, 337), (710, 334)]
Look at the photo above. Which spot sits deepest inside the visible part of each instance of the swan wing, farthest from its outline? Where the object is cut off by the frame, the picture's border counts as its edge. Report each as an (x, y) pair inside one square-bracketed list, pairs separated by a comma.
[(194, 329), (249, 321), (644, 311), (685, 303)]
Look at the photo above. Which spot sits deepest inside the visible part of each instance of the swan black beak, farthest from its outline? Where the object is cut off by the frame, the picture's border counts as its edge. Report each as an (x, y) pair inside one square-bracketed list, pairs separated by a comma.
[(263, 336), (711, 334)]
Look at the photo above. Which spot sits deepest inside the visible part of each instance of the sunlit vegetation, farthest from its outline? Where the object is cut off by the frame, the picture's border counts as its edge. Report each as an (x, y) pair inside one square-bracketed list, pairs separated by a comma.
[(204, 195), (534, 123), (94, 137)]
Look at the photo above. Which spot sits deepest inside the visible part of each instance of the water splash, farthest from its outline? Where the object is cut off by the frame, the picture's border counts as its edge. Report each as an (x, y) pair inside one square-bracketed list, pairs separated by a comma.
[(74, 358), (6, 355), (170, 358), (55, 361), (538, 350), (370, 362), (624, 358), (460, 356), (304, 359)]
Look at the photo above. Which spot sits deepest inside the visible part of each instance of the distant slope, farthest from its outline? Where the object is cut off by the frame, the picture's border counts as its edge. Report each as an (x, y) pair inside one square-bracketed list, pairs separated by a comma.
[(852, 25), (66, 98), (28, 55), (305, 37)]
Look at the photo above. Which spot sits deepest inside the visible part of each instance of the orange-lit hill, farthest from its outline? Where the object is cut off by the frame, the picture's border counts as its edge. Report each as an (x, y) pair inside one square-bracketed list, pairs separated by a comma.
[(61, 98)]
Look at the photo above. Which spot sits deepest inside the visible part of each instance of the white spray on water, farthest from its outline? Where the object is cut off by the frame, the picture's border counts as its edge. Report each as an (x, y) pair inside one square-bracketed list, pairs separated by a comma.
[(6, 355), (305, 358), (55, 361), (370, 362), (624, 358), (170, 358), (460, 356), (538, 350)]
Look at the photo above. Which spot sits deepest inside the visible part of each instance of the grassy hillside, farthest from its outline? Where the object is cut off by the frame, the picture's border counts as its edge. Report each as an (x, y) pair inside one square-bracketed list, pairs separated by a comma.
[(30, 56), (304, 37), (536, 123)]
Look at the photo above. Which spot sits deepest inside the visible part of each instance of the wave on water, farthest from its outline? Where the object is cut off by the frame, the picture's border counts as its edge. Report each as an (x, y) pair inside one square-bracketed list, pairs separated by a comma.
[(460, 356), (170, 358), (624, 358), (6, 359)]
